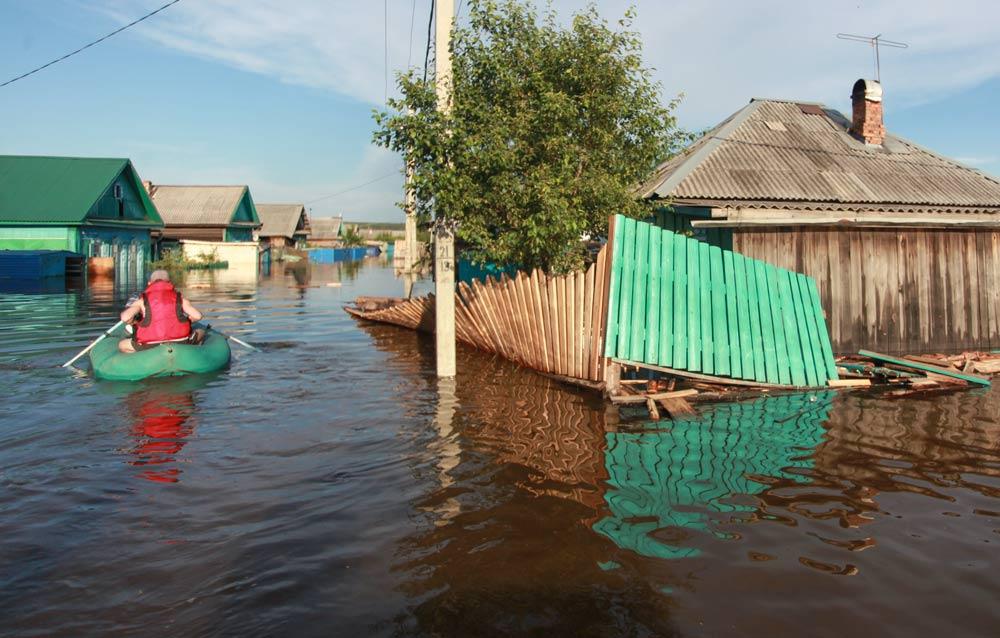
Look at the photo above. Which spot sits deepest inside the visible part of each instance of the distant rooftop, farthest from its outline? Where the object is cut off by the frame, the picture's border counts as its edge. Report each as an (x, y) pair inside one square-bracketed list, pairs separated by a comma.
[(198, 205), (280, 220)]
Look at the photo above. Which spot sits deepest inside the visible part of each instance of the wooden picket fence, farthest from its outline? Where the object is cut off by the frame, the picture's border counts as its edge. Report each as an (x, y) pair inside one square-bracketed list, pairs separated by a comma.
[(680, 304), (551, 323)]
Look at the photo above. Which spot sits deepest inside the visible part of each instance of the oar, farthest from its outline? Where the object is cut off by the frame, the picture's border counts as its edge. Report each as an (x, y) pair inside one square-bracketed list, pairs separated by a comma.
[(92, 344), (232, 338), (242, 343)]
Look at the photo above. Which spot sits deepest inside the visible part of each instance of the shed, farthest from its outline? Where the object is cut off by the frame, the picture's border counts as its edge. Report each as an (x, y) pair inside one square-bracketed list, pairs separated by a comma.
[(95, 207), (283, 225), (904, 243), (325, 231), (206, 213)]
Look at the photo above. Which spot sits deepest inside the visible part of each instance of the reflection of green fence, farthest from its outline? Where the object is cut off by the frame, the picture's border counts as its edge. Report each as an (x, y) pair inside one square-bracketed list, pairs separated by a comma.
[(679, 303), (678, 477)]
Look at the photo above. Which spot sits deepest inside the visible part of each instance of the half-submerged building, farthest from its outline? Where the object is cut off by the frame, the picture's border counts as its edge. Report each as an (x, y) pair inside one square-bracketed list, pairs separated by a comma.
[(95, 207)]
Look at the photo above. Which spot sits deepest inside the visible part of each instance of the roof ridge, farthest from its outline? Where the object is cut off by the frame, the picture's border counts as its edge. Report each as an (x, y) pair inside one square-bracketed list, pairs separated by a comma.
[(68, 157), (786, 101), (200, 185)]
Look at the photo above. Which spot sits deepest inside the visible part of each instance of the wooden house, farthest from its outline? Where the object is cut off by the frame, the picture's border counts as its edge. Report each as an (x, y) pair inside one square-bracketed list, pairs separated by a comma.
[(325, 231), (96, 207), (283, 225), (206, 213), (904, 243)]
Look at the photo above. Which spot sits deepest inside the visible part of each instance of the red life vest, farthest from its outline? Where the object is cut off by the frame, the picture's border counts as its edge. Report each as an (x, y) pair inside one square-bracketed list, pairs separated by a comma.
[(163, 319)]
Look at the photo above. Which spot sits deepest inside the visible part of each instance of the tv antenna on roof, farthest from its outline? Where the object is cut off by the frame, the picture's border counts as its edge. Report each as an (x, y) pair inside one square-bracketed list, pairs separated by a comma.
[(875, 41)]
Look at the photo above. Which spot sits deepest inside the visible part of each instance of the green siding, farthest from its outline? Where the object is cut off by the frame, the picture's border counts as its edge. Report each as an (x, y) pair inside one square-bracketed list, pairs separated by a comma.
[(721, 313), (679, 221), (107, 206), (246, 211), (239, 234), (38, 238)]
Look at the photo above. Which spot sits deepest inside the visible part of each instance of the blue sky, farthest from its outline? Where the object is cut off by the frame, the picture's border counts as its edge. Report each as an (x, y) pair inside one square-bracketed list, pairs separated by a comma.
[(279, 95)]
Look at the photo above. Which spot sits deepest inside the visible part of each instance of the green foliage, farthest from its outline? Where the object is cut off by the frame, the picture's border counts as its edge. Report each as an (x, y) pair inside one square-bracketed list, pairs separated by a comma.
[(175, 262), (551, 129), (386, 237), (350, 237)]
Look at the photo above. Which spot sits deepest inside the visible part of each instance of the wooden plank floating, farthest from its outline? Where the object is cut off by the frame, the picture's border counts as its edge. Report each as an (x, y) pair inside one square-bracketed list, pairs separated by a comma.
[(729, 316), (925, 367)]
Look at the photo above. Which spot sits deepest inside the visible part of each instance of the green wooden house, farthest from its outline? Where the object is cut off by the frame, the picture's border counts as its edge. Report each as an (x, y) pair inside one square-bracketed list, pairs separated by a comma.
[(206, 213), (96, 207)]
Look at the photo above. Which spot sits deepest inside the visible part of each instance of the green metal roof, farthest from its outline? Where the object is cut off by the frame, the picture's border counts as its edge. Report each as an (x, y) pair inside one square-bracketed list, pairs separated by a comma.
[(61, 190)]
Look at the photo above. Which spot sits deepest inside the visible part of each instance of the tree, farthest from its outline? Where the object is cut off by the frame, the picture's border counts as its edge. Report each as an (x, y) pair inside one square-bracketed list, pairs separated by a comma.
[(551, 129), (350, 237)]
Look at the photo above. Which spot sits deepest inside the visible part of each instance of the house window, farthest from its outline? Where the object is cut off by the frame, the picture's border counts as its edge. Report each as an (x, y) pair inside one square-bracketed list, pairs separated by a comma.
[(119, 199)]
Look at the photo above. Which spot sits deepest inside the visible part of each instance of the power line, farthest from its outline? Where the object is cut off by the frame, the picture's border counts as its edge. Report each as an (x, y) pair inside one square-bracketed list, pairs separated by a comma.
[(353, 188), (409, 48), (427, 51), (87, 46), (458, 12), (385, 16)]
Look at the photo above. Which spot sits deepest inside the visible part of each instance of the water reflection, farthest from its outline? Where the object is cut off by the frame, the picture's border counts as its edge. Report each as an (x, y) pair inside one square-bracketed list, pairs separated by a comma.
[(161, 424), (162, 417), (517, 467), (668, 482)]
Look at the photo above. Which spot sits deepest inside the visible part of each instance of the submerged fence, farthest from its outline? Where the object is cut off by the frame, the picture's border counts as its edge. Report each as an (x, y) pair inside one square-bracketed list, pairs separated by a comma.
[(552, 323), (675, 302)]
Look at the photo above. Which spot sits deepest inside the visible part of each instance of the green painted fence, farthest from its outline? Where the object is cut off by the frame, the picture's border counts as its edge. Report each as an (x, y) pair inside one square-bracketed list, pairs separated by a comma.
[(679, 303)]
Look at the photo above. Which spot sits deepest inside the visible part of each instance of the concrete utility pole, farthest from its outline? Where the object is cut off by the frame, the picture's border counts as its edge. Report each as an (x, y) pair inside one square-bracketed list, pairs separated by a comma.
[(410, 238), (410, 206), (444, 233)]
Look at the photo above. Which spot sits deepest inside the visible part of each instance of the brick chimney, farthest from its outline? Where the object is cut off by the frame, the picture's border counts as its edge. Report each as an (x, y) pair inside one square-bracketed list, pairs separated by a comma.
[(866, 124)]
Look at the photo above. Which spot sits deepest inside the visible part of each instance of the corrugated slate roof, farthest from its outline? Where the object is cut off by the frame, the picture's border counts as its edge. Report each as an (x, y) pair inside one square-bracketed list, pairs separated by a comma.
[(58, 190), (776, 152), (325, 227), (280, 220), (197, 205)]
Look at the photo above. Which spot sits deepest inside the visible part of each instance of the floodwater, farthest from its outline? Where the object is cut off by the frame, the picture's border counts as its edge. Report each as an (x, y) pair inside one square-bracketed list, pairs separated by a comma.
[(330, 485)]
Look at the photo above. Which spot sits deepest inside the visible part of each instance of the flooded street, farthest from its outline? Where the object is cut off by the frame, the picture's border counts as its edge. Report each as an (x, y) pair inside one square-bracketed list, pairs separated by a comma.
[(330, 485)]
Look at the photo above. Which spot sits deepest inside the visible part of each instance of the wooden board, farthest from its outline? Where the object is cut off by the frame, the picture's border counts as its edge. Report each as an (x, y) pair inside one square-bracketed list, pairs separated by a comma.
[(925, 367)]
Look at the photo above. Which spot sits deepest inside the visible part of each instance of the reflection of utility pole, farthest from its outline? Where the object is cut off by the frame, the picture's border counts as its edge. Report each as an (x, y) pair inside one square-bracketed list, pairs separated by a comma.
[(444, 232), (449, 451)]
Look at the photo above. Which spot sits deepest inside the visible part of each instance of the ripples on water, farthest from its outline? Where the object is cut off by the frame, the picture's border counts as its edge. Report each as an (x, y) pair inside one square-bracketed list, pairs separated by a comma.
[(330, 485)]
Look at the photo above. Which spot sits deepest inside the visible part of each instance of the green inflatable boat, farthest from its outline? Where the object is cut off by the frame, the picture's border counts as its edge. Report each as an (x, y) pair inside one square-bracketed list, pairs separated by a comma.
[(164, 360)]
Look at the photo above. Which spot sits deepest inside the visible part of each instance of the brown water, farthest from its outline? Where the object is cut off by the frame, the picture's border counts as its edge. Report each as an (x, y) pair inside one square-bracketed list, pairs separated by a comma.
[(332, 486)]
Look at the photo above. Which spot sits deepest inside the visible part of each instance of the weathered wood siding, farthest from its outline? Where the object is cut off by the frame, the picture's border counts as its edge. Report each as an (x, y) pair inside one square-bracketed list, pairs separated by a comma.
[(895, 291), (200, 233)]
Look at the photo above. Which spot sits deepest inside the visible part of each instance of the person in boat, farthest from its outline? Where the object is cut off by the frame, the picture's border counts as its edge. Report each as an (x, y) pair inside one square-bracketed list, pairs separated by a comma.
[(159, 315)]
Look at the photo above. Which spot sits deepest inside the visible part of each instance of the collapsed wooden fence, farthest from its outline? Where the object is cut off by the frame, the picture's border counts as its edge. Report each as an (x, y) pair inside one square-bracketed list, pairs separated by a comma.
[(551, 323)]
